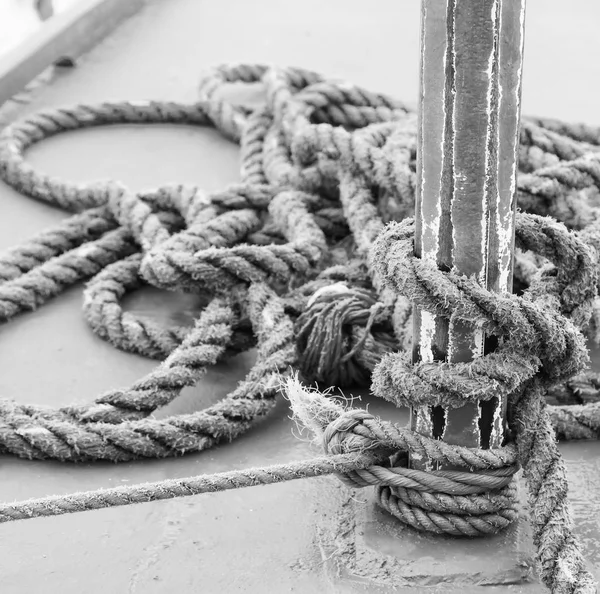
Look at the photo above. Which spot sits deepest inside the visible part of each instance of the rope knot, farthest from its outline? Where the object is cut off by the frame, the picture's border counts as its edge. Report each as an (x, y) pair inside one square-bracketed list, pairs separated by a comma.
[(333, 331), (347, 434), (460, 502)]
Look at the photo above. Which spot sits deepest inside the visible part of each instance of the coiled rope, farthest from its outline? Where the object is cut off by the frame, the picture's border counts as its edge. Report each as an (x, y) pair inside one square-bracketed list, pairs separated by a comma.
[(297, 260)]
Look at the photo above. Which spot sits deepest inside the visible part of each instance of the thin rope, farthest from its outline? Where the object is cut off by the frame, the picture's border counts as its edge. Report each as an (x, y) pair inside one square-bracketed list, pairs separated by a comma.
[(300, 260), (186, 487)]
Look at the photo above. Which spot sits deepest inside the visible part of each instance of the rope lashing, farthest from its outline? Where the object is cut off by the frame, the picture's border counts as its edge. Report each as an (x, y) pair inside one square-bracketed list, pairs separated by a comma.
[(296, 259), (539, 345), (478, 500)]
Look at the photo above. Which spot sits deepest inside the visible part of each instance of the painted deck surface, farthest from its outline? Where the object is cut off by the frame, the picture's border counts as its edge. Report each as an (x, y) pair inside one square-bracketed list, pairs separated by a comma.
[(256, 540)]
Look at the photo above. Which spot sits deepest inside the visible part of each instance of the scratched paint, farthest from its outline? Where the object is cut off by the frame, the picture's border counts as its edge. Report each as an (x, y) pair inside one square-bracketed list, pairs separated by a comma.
[(428, 221), (427, 337), (491, 139), (466, 164), (509, 101), (475, 67), (431, 121)]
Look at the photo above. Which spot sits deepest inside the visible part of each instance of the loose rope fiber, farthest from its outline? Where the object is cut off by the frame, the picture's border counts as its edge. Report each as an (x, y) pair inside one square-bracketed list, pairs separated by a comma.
[(309, 258)]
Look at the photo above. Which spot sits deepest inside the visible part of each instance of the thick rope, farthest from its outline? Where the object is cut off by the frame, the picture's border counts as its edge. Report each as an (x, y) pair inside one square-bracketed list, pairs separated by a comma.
[(296, 259)]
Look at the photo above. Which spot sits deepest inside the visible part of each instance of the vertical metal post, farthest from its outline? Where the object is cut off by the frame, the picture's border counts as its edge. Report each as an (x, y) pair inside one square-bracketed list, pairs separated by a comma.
[(471, 64)]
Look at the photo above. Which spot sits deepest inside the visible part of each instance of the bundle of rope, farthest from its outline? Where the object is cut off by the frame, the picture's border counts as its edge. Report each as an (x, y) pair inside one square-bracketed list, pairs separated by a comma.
[(300, 260)]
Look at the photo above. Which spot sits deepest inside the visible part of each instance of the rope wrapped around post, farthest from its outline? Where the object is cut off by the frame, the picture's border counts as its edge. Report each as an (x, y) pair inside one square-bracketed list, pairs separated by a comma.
[(296, 259)]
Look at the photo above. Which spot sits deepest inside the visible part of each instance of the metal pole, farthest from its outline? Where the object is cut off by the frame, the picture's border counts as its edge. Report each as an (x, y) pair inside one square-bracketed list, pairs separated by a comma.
[(471, 64)]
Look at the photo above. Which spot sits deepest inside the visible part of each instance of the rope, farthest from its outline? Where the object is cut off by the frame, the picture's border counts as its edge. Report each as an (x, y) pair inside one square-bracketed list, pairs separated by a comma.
[(169, 489), (300, 260)]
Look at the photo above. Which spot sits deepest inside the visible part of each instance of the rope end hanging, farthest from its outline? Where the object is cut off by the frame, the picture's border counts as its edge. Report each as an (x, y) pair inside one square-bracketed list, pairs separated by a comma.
[(311, 410)]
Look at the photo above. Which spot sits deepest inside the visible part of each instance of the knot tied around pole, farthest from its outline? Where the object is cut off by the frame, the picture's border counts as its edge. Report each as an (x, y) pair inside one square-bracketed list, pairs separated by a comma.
[(539, 346), (476, 499)]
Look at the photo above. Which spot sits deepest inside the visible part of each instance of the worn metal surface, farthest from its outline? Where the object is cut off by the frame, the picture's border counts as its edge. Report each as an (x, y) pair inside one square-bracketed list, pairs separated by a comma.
[(470, 101), (258, 540)]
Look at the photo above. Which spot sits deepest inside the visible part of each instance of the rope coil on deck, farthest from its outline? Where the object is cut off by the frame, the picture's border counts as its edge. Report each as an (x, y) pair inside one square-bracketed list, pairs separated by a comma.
[(297, 260)]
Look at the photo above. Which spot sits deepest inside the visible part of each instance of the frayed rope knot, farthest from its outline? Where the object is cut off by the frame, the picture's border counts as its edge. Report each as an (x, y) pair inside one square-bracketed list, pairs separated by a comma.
[(342, 334)]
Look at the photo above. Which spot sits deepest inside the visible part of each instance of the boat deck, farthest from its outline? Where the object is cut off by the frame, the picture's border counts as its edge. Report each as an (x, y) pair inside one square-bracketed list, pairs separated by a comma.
[(276, 538)]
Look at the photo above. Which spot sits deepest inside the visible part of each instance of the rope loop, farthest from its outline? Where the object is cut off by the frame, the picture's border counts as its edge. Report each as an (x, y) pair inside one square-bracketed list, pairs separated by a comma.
[(457, 502)]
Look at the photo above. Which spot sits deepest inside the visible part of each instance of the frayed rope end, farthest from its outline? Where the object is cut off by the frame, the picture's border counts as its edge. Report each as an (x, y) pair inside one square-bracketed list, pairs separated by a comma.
[(311, 408)]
